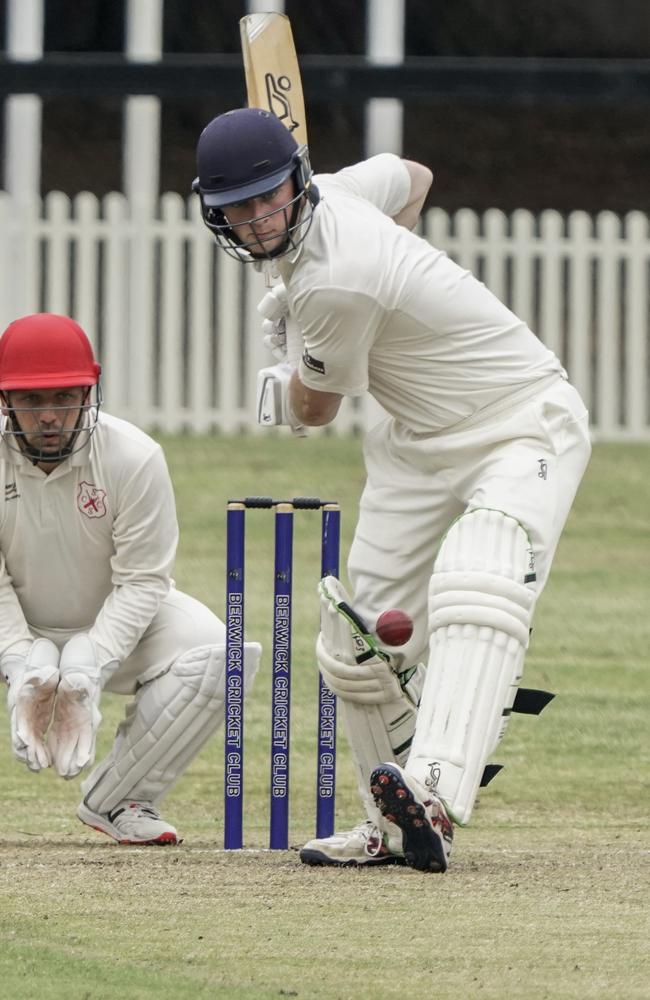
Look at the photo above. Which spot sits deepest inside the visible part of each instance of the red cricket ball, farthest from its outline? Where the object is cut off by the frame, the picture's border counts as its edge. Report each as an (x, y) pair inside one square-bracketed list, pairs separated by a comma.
[(394, 627)]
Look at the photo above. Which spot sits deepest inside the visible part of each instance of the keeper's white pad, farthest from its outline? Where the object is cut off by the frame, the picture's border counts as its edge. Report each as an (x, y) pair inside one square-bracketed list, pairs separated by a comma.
[(166, 726), (480, 610), (378, 705)]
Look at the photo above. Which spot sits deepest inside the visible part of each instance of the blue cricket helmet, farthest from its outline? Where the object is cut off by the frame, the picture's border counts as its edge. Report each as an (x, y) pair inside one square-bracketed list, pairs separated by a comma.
[(243, 154)]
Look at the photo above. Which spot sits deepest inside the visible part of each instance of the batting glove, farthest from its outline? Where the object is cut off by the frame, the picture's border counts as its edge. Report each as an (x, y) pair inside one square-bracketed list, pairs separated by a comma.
[(279, 331), (273, 405)]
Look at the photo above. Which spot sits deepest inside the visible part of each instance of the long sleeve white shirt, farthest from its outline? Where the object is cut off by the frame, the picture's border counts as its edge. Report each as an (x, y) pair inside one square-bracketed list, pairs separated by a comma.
[(89, 547)]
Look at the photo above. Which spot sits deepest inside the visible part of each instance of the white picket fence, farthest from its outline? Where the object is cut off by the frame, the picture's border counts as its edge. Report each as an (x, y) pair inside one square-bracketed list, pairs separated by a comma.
[(174, 322)]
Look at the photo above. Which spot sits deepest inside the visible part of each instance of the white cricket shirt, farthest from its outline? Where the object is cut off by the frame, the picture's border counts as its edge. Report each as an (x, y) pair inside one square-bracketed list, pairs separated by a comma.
[(382, 310), (91, 545)]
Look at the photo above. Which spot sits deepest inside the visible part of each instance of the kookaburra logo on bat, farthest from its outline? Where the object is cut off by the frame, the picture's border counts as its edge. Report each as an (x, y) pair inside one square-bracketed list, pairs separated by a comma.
[(277, 95)]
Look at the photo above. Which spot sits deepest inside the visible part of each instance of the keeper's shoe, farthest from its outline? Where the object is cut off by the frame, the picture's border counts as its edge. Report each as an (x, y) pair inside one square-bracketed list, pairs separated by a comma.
[(131, 823), (363, 846), (427, 832)]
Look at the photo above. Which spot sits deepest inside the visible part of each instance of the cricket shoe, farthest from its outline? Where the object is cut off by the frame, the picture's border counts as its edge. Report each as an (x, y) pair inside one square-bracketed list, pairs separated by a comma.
[(131, 823), (364, 846), (427, 832)]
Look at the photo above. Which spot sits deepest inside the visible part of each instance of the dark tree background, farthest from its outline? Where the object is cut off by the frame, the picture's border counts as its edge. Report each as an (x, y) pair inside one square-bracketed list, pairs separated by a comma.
[(539, 156)]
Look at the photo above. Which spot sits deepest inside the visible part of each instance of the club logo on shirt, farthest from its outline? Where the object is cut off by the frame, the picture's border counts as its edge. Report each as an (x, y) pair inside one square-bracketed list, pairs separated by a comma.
[(313, 363), (11, 491), (91, 500)]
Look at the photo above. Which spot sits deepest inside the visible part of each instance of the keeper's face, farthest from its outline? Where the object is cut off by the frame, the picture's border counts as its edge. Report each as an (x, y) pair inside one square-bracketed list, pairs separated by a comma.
[(47, 418), (262, 223)]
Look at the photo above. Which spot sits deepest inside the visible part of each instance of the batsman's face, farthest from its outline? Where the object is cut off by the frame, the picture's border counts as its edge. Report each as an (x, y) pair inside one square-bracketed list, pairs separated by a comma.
[(262, 222), (47, 417)]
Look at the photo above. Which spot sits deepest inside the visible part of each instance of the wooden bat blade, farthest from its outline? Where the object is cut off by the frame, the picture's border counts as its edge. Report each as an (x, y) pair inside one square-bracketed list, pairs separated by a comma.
[(272, 72)]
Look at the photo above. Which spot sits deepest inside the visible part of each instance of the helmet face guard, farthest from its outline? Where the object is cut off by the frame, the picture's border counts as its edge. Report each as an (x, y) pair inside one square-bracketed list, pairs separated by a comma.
[(245, 154), (17, 438), (298, 216)]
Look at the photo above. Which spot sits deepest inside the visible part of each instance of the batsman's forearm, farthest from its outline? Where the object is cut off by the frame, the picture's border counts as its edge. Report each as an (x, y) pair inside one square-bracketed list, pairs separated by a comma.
[(310, 407)]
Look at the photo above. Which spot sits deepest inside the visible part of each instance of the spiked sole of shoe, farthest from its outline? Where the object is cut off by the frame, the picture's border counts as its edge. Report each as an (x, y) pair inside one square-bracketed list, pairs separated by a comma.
[(421, 846), (317, 858)]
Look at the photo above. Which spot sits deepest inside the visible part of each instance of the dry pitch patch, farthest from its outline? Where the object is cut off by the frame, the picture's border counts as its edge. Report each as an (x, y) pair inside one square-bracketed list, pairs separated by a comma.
[(587, 861), (528, 915)]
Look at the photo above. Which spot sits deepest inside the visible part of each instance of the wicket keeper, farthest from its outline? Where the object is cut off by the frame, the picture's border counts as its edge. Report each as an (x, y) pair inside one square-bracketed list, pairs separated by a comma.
[(88, 537)]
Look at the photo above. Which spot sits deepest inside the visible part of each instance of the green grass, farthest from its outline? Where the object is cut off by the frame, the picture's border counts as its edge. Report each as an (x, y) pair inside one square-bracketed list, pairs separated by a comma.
[(547, 892)]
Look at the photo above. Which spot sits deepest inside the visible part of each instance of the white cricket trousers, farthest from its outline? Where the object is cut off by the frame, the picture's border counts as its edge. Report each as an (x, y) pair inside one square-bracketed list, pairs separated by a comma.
[(180, 624), (526, 461)]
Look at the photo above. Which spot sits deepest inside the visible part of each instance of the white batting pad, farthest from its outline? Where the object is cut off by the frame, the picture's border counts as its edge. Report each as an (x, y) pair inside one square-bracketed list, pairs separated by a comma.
[(480, 610), (379, 733), (166, 726)]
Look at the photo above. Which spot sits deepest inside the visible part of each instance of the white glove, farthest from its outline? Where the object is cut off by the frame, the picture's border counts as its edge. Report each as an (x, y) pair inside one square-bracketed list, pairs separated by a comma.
[(280, 332), (72, 736), (273, 406), (275, 338), (352, 664), (33, 677), (274, 308)]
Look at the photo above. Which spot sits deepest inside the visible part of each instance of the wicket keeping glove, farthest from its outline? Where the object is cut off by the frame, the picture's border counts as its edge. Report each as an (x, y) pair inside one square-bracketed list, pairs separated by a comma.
[(73, 733), (32, 675)]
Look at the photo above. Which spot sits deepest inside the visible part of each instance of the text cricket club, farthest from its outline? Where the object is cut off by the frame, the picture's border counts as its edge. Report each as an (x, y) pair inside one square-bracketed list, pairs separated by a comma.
[(327, 744), (281, 694), (235, 671), (281, 670)]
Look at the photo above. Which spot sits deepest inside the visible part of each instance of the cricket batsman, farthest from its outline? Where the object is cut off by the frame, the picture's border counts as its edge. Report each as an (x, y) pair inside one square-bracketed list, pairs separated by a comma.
[(88, 537), (469, 482)]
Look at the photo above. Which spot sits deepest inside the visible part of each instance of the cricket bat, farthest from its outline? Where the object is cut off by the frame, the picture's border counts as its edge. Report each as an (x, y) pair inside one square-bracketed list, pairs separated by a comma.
[(273, 83), (272, 72)]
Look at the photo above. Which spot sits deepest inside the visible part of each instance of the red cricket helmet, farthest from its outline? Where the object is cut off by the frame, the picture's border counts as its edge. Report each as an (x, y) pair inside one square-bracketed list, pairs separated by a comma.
[(46, 351)]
